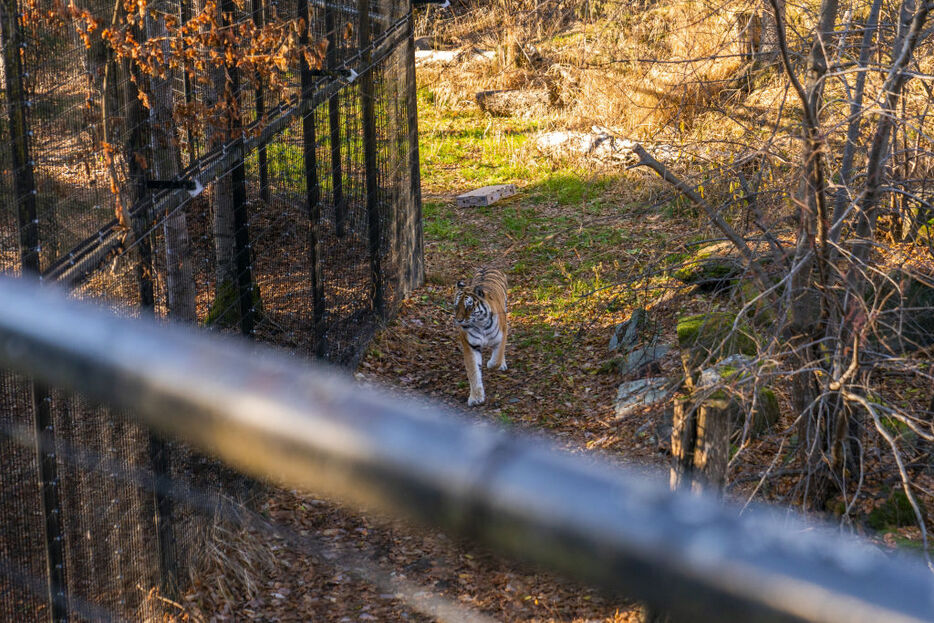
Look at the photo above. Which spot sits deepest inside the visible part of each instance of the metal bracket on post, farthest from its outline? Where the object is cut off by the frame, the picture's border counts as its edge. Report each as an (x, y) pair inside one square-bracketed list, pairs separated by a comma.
[(193, 187), (349, 75)]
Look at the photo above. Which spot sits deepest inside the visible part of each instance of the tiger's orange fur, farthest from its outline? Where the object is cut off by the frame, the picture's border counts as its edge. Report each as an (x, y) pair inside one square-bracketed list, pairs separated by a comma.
[(480, 318)]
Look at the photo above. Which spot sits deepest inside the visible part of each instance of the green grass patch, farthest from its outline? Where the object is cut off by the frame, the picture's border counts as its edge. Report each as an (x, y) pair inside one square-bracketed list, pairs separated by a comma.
[(441, 225), (564, 229), (572, 187)]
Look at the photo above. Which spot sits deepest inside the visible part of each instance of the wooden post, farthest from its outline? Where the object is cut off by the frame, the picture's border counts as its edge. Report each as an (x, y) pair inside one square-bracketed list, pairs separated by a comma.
[(24, 188), (259, 96), (313, 193), (374, 221), (682, 443), (334, 121), (243, 257), (700, 446), (700, 442), (712, 445)]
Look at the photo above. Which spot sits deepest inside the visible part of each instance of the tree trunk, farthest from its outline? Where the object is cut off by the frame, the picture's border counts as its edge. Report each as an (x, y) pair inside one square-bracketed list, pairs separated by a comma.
[(180, 285), (808, 310), (225, 251)]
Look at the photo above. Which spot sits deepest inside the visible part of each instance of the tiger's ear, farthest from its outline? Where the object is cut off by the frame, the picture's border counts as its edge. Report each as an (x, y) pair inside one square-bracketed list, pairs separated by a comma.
[(479, 292), (460, 284)]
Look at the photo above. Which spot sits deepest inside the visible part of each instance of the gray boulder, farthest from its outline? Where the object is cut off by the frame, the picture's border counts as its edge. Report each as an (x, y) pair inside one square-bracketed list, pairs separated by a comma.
[(635, 395)]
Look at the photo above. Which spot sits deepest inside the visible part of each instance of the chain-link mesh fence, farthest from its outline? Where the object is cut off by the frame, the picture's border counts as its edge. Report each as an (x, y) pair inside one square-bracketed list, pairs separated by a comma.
[(248, 167)]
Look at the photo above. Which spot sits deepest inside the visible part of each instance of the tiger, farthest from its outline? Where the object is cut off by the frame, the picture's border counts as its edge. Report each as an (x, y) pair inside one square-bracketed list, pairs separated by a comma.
[(480, 318)]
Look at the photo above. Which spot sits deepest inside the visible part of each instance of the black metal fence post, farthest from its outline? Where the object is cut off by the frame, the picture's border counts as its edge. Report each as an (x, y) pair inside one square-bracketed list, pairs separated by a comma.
[(334, 120), (159, 460), (24, 188), (243, 257), (414, 272), (51, 505), (184, 12), (259, 96), (313, 192), (374, 224)]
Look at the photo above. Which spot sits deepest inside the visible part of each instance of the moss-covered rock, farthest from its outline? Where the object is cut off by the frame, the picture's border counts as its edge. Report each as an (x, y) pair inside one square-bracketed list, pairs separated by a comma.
[(739, 373), (711, 336), (894, 512), (710, 329), (765, 415), (708, 271), (906, 321)]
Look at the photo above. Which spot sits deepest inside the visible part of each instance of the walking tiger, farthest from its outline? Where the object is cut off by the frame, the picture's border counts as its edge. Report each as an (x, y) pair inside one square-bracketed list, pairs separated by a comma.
[(480, 318)]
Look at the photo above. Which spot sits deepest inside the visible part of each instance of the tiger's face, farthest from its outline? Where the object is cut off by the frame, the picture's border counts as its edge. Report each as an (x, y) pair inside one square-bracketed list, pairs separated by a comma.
[(469, 305)]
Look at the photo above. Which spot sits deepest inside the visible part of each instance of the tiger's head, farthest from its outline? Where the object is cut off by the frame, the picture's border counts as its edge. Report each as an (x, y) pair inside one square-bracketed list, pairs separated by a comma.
[(469, 304)]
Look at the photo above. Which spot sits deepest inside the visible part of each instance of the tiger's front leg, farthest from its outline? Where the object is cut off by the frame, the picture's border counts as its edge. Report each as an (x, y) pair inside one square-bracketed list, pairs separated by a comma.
[(498, 357), (472, 361)]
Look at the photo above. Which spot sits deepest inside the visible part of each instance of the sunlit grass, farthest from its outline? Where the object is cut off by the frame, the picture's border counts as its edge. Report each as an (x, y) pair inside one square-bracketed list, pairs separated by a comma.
[(565, 236)]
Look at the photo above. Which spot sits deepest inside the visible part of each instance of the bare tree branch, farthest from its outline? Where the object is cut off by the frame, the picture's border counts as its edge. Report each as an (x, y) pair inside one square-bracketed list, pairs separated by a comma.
[(646, 159)]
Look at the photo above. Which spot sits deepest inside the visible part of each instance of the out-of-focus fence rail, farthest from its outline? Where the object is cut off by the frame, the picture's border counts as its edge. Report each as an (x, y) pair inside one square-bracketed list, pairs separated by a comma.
[(311, 428)]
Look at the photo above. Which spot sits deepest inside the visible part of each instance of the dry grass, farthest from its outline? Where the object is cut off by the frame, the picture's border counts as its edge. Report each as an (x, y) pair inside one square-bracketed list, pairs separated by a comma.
[(232, 564), (599, 65)]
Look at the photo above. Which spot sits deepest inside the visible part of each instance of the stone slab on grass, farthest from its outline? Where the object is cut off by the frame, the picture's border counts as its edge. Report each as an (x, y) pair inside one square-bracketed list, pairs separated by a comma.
[(486, 195)]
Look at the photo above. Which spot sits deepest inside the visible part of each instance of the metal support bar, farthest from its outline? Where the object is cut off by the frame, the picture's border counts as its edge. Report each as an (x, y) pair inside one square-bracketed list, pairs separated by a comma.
[(312, 196), (374, 223), (334, 125), (24, 188), (243, 257), (24, 183), (414, 275), (588, 517), (441, 4), (259, 95), (51, 504)]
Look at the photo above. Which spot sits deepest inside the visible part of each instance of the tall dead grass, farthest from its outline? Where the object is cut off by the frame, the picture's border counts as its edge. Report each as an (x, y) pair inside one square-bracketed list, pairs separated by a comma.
[(642, 70)]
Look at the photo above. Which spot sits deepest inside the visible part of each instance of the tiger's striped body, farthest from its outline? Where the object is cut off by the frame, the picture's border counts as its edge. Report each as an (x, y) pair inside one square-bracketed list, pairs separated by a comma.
[(480, 318)]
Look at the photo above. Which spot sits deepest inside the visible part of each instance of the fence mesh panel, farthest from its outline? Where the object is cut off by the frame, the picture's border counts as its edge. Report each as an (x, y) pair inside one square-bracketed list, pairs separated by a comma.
[(278, 203), (22, 538)]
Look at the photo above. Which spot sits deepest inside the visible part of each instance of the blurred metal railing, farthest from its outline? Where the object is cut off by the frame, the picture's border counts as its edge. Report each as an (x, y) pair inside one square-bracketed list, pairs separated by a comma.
[(313, 428)]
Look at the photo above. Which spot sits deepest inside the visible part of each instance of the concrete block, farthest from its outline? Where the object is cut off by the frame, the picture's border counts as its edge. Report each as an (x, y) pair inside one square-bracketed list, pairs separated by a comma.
[(486, 195)]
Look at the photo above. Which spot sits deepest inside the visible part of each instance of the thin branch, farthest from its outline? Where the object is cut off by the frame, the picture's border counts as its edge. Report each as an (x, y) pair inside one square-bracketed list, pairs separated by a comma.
[(646, 159)]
